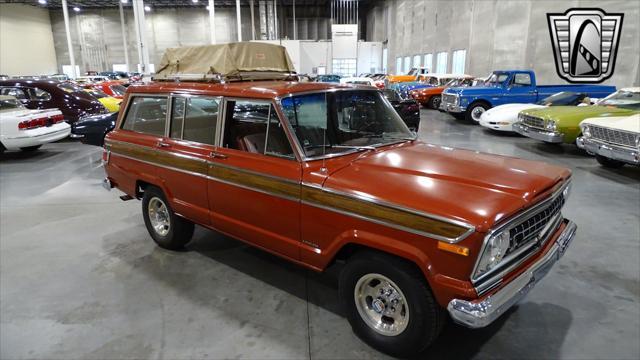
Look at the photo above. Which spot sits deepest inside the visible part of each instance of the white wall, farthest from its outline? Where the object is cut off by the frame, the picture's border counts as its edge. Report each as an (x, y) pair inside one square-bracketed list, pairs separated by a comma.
[(26, 41)]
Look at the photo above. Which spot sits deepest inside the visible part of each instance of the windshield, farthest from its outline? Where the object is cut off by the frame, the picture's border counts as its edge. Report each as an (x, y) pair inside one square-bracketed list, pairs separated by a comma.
[(562, 98), (10, 104), (622, 99), (496, 79), (118, 90), (343, 121)]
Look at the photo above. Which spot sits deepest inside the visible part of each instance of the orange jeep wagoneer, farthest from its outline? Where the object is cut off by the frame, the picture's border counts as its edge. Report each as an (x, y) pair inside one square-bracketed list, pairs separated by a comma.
[(316, 173)]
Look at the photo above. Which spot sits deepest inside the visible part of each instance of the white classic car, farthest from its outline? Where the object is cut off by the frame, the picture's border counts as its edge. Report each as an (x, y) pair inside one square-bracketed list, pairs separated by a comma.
[(614, 141), (26, 130), (359, 80), (501, 118)]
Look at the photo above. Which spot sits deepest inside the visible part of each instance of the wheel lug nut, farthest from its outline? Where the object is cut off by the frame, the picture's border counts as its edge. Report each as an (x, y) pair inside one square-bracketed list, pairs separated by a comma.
[(394, 301)]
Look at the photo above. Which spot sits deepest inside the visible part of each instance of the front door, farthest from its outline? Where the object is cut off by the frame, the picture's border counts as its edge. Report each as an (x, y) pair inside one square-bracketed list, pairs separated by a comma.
[(254, 179), (521, 90)]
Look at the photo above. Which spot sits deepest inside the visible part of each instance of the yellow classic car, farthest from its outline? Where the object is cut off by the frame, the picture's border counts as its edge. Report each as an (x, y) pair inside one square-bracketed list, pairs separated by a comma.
[(112, 104)]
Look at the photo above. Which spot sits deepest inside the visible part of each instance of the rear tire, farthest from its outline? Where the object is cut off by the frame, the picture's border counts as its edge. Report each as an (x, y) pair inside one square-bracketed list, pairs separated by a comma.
[(389, 304), (30, 148), (609, 163), (434, 102), (167, 229)]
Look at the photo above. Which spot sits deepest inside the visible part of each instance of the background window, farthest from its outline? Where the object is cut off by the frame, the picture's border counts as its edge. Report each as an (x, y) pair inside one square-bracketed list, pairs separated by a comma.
[(441, 65), (407, 64), (457, 62), (428, 62), (147, 115), (344, 67), (398, 65), (416, 61)]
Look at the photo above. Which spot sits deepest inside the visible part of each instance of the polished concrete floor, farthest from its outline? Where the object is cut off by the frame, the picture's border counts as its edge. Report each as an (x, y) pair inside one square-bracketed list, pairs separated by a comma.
[(81, 279)]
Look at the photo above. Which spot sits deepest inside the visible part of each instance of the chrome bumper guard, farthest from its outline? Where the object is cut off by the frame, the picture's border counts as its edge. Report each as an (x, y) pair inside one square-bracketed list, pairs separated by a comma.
[(480, 313), (538, 134), (453, 108), (627, 155)]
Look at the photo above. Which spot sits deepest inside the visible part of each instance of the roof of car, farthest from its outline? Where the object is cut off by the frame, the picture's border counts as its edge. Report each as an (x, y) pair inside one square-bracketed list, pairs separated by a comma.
[(254, 89), (29, 82)]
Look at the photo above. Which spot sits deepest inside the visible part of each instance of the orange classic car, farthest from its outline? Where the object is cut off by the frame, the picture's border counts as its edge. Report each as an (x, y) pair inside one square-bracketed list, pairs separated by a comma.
[(329, 175), (431, 96), (412, 75)]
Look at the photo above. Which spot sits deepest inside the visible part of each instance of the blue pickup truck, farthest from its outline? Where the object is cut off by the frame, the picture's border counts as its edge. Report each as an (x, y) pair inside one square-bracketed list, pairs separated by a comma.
[(506, 87)]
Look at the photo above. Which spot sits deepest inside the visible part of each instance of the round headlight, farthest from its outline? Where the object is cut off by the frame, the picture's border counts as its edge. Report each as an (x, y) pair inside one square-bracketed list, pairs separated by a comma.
[(586, 132), (638, 141), (494, 252), (551, 125)]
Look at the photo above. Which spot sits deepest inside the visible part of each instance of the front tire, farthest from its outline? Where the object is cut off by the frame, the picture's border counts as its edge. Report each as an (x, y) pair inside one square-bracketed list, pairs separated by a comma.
[(30, 148), (389, 304), (475, 111), (434, 101), (610, 163), (167, 229)]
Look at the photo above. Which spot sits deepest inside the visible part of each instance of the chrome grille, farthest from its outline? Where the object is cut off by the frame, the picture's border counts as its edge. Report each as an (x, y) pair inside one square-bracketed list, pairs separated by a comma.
[(532, 121), (530, 228), (613, 136), (449, 99)]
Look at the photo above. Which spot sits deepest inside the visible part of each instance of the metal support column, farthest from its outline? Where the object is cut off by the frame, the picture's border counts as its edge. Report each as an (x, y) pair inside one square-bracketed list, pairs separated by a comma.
[(143, 51), (253, 21), (275, 16), (124, 37), (212, 21), (295, 27), (238, 20), (65, 13)]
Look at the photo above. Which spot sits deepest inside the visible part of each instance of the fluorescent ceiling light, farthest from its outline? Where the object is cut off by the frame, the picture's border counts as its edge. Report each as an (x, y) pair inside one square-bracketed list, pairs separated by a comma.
[(76, 9), (43, 2), (147, 8)]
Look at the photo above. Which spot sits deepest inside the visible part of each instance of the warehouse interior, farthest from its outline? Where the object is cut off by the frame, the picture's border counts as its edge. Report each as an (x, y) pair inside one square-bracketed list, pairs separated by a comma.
[(81, 277)]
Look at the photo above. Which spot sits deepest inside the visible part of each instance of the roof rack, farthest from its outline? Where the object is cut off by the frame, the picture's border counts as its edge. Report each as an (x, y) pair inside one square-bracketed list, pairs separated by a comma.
[(240, 76)]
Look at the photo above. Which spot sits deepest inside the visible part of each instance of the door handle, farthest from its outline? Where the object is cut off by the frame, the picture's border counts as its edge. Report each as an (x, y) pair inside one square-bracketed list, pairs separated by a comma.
[(163, 144), (217, 155)]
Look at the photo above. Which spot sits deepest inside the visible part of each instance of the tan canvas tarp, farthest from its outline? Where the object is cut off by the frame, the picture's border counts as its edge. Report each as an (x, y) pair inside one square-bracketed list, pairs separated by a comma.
[(227, 60)]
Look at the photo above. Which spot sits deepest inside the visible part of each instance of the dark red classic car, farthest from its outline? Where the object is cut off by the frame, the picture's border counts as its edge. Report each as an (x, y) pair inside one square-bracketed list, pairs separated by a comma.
[(320, 174), (46, 94)]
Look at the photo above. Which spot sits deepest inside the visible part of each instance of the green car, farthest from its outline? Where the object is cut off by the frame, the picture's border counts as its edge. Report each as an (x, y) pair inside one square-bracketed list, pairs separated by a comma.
[(558, 124)]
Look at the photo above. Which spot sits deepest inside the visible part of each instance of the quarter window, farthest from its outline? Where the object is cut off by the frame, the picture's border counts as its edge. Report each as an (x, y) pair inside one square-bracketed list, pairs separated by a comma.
[(147, 115), (255, 127)]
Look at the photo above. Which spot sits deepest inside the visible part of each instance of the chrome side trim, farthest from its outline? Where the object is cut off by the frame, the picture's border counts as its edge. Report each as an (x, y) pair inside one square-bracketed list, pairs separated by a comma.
[(470, 228), (482, 312)]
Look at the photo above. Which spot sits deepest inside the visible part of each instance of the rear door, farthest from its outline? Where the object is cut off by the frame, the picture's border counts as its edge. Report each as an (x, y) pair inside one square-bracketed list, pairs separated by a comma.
[(254, 186), (191, 139)]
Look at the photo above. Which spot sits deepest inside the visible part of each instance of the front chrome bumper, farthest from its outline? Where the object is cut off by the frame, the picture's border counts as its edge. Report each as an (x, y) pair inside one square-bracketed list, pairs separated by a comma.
[(482, 312), (627, 155), (538, 134), (452, 108)]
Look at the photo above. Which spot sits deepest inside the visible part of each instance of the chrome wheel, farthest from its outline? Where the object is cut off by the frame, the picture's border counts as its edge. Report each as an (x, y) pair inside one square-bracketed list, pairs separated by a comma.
[(477, 112), (159, 216), (381, 304)]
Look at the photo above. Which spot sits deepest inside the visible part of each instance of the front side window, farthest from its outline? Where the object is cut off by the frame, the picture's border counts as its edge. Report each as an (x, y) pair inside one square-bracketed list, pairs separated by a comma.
[(147, 115), (254, 126), (343, 121), (497, 79)]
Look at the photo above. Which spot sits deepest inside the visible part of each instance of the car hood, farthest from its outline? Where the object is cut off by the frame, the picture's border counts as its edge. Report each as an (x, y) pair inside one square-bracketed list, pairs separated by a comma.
[(625, 123), (477, 188), (577, 113), (510, 109)]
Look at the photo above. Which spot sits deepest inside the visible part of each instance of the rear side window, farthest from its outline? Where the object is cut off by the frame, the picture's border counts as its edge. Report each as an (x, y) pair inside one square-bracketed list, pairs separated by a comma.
[(522, 79), (195, 119), (15, 92), (147, 115)]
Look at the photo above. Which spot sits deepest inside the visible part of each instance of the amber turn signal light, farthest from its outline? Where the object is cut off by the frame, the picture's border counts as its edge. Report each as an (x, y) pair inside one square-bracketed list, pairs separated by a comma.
[(456, 249)]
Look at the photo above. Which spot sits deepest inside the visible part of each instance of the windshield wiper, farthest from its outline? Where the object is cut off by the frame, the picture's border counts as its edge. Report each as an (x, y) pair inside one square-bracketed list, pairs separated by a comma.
[(354, 147)]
